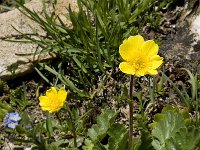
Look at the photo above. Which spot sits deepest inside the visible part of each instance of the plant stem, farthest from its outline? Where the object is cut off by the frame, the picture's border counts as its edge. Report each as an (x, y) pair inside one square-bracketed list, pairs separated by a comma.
[(73, 125), (49, 125), (152, 89), (131, 114)]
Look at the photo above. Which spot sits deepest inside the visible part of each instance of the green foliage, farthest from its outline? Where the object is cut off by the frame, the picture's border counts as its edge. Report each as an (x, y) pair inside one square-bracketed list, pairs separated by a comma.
[(183, 95), (12, 100), (106, 134), (49, 125), (173, 132), (90, 45), (195, 89), (192, 102), (160, 116), (4, 87), (62, 78), (145, 142), (42, 135), (4, 109), (18, 98), (118, 137), (104, 122), (185, 139), (167, 128)]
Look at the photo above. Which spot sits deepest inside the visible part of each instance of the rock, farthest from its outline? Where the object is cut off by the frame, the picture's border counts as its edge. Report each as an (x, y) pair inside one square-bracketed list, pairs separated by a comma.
[(183, 46), (10, 60), (61, 9), (195, 30)]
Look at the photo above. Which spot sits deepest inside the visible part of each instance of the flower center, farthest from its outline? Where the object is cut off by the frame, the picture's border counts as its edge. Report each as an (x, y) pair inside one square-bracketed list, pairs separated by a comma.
[(139, 64), (14, 118), (54, 104)]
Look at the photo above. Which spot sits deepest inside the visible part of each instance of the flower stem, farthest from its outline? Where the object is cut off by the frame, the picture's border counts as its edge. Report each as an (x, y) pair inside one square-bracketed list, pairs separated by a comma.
[(152, 89), (49, 125), (131, 114)]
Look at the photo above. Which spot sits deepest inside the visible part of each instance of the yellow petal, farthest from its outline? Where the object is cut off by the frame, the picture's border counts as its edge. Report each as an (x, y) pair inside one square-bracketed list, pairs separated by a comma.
[(127, 68), (156, 61), (44, 101), (51, 110), (141, 72), (131, 47), (52, 93), (150, 48), (62, 94), (45, 108), (55, 109), (152, 72)]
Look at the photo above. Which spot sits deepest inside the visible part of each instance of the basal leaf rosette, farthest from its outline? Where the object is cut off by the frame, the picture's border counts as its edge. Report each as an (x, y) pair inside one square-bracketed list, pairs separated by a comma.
[(54, 100), (140, 57)]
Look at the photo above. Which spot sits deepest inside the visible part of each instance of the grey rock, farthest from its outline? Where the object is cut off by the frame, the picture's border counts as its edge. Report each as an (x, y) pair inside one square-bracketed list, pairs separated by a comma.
[(10, 60), (183, 45)]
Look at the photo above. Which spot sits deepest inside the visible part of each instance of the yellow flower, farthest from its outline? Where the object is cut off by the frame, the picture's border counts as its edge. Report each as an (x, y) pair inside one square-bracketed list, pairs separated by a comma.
[(54, 100), (140, 57)]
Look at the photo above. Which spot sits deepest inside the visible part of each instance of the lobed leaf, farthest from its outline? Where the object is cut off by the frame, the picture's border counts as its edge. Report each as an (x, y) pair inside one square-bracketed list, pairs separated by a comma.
[(185, 139), (146, 141), (118, 137), (167, 128), (104, 122)]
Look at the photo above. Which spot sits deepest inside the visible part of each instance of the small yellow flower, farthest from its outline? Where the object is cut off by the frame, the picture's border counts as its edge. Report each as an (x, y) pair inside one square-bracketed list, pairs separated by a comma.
[(54, 100), (140, 57)]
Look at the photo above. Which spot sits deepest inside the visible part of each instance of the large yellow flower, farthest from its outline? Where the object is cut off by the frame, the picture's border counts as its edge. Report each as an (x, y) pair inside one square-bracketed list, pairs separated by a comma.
[(140, 57), (54, 100)]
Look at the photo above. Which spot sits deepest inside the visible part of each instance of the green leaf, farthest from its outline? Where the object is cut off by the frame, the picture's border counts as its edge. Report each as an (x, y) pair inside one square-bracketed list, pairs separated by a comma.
[(183, 95), (60, 142), (6, 107), (25, 119), (21, 130), (65, 80), (146, 141), (88, 145), (185, 139), (167, 128), (104, 122), (52, 146), (49, 125), (43, 77), (193, 81), (118, 137), (78, 62), (2, 115)]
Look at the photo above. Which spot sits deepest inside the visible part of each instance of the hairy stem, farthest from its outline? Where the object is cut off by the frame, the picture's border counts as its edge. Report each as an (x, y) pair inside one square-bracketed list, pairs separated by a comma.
[(131, 114), (152, 89)]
